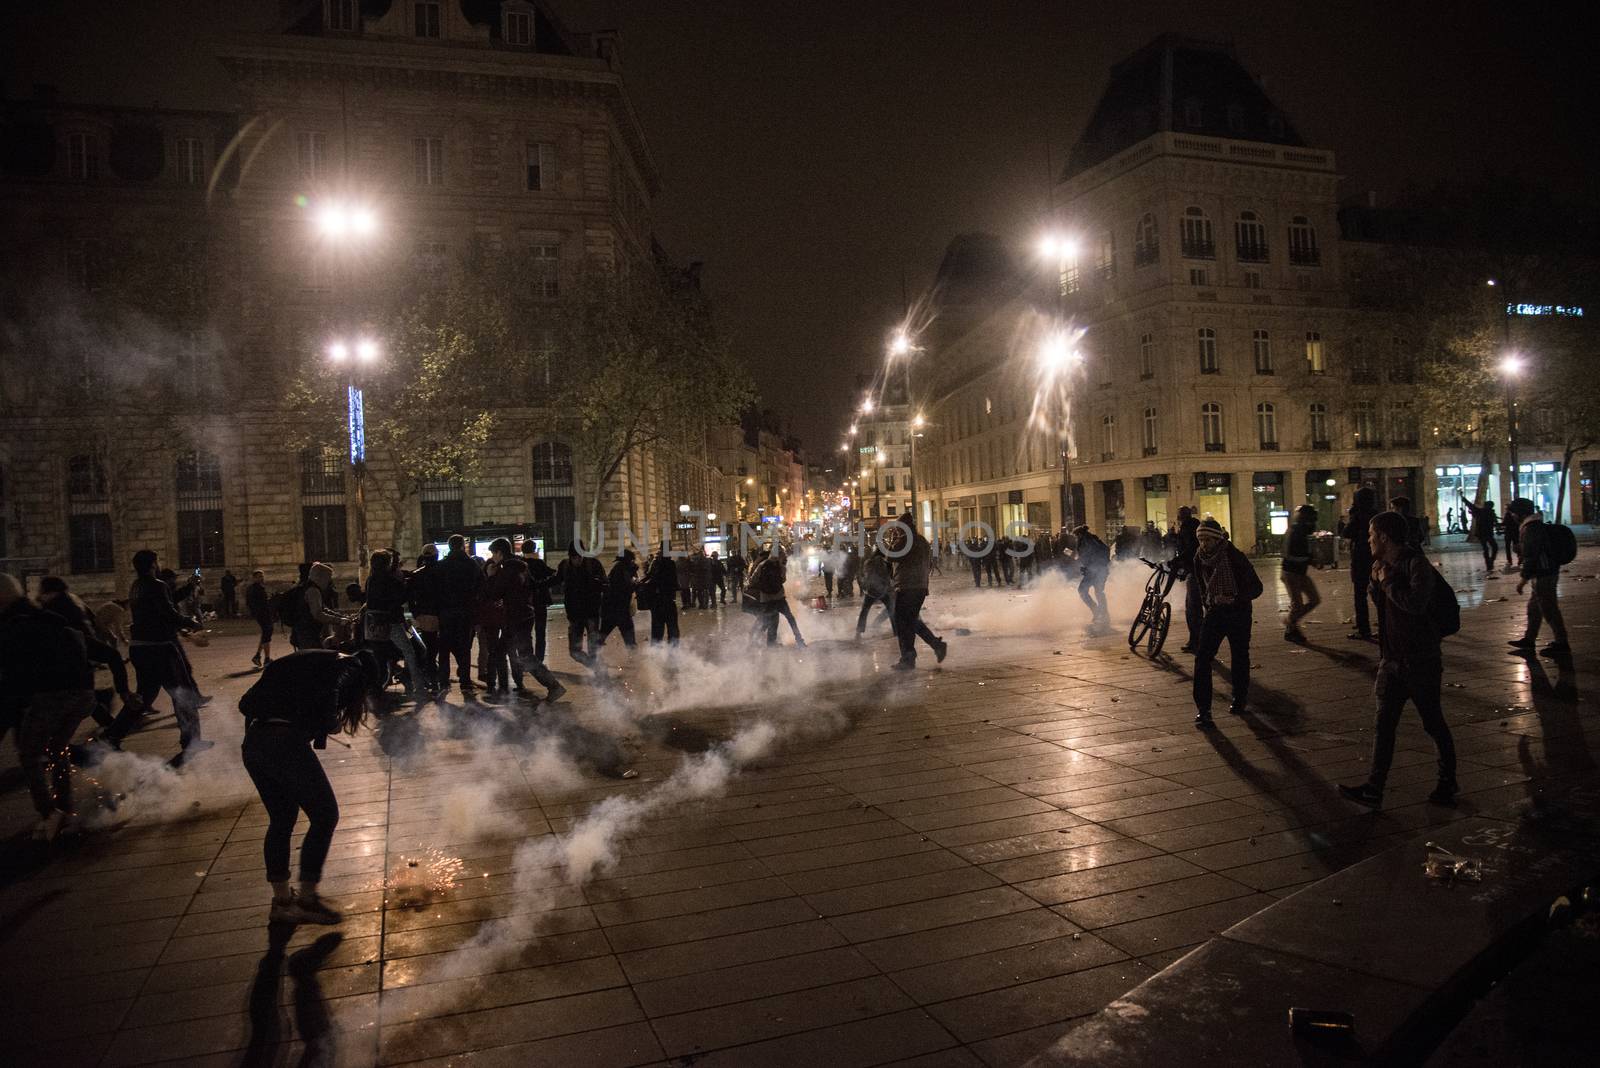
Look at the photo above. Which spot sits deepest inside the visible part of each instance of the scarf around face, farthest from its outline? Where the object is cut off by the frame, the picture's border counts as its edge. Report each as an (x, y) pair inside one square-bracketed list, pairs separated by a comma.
[(1221, 587)]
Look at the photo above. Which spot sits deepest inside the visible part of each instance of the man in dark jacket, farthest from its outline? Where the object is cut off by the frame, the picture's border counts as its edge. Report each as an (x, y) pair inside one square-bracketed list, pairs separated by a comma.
[(158, 660), (1362, 509), (1094, 563), (1538, 568), (510, 587), (1228, 583), (583, 586), (541, 576), (456, 584), (661, 577), (616, 604), (1193, 604), (1303, 595), (912, 565), (1410, 662)]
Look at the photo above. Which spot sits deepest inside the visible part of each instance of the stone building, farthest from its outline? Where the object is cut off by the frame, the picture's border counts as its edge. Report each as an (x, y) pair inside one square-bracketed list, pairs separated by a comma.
[(430, 128)]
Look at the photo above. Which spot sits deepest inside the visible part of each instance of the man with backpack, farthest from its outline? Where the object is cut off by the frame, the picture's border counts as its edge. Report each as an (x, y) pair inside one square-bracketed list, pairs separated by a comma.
[(1545, 548), (1420, 610), (1227, 582)]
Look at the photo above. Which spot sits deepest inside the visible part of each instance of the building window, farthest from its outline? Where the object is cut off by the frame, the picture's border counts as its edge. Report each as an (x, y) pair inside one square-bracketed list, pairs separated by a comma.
[(426, 18), (541, 166), (888, 482), (1211, 426), (1267, 426), (1151, 432), (191, 161), (313, 154), (1362, 370), (88, 517), (1206, 339), (1146, 242), (322, 513), (428, 153), (1105, 261), (1365, 414), (554, 509), (442, 510), (1261, 346), (1319, 426), (1403, 420), (1147, 356), (1199, 276), (1315, 362), (1402, 366), (82, 164), (1250, 238), (1108, 437), (519, 28), (198, 481), (344, 15), (1103, 370), (1303, 250), (546, 263), (1196, 231), (1252, 279)]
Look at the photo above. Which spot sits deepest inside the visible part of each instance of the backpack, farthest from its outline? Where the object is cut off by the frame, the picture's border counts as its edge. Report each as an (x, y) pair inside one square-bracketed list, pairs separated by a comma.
[(1445, 611), (289, 604), (1560, 544)]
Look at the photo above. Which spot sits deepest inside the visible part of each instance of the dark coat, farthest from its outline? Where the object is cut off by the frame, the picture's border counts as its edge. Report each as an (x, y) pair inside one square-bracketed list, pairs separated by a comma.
[(457, 581)]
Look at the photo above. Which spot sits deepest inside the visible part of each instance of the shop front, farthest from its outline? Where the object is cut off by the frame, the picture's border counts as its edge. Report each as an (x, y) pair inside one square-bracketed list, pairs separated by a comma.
[(1157, 498), (1541, 484), (1113, 506), (1271, 510), (1213, 497), (1013, 513), (1457, 482)]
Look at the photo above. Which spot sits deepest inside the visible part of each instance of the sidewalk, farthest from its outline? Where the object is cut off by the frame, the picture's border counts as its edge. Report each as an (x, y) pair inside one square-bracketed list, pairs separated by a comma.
[(946, 868)]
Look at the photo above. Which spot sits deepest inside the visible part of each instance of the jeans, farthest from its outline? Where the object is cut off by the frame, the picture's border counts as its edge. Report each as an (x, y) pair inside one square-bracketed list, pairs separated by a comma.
[(1418, 683), (519, 641), (867, 601), (48, 723), (908, 624), (1360, 579), (1303, 598), (455, 640), (1232, 622), (1542, 605), (664, 620), (289, 778), (162, 666), (400, 637)]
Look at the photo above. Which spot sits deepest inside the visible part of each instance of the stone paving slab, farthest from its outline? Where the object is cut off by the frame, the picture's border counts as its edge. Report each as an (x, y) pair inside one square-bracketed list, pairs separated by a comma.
[(953, 868)]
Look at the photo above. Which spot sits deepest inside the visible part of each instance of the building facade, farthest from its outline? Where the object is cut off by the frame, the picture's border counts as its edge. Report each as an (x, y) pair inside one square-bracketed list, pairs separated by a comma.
[(437, 128)]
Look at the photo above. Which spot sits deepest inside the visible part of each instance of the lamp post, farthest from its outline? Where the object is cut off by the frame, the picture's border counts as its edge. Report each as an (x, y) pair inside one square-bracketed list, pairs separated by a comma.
[(1060, 251), (1510, 368), (1056, 359), (902, 346), (352, 355)]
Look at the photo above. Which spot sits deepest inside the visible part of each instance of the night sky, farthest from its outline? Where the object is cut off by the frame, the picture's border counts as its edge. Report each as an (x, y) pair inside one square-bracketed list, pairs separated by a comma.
[(818, 155)]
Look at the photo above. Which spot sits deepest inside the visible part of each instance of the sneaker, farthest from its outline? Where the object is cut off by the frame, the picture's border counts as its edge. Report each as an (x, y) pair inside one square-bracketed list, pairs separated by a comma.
[(1523, 643), (299, 909), (1444, 793), (1555, 649), (904, 665), (1203, 721), (557, 691), (940, 651), (1191, 647), (1365, 794)]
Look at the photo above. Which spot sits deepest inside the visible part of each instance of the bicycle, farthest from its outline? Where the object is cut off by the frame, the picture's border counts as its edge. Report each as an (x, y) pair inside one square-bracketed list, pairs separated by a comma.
[(1155, 614)]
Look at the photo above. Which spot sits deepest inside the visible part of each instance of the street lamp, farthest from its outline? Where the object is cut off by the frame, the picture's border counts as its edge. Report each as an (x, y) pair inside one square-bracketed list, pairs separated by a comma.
[(1510, 368), (338, 220), (901, 345), (353, 354), (1056, 357)]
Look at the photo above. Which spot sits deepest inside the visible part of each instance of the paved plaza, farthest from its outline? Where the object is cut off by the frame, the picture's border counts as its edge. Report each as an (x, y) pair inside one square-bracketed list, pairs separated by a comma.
[(735, 856)]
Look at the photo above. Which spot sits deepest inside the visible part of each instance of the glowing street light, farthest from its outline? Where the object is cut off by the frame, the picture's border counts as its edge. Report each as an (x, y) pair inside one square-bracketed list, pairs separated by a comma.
[(1511, 365), (1058, 248), (866, 405), (336, 219)]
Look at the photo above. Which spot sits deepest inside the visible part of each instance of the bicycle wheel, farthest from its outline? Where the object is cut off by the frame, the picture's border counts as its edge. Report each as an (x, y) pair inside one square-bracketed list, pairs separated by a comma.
[(1158, 631), (1141, 624)]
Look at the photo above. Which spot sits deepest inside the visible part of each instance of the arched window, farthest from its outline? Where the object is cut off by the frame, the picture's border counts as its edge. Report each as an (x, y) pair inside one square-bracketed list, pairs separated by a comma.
[(1206, 341), (554, 507), (1152, 429), (1146, 242), (1261, 346), (1250, 238), (1147, 355), (1108, 437), (1211, 426), (88, 516), (1318, 413), (198, 480), (1267, 425), (1196, 234), (1303, 243)]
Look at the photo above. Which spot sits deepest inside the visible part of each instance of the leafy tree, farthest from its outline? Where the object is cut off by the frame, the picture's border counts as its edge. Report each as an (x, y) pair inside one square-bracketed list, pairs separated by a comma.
[(1559, 400)]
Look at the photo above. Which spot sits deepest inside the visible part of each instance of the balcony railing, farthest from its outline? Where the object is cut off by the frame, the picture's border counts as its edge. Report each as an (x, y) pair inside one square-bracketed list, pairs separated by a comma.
[(1252, 253), (1305, 257), (1200, 250), (1216, 446)]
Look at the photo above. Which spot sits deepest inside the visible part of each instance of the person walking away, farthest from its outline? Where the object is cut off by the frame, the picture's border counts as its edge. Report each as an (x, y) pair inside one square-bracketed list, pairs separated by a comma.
[(1228, 583), (1094, 563), (661, 577), (1541, 565), (1362, 509), (719, 578), (1187, 543), (583, 584), (1410, 659), (1482, 526), (616, 606), (456, 588), (1303, 595), (737, 568), (258, 605), (911, 570), (290, 711), (45, 672), (541, 576), (385, 620), (877, 587), (158, 660)]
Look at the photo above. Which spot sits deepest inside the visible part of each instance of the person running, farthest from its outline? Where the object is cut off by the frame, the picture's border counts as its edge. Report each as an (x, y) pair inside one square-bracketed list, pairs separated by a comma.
[(1362, 509), (1228, 583), (877, 587), (1483, 525), (386, 620), (661, 578), (290, 711), (911, 570), (158, 659), (1187, 544), (1094, 562), (583, 585), (1410, 661), (616, 606), (258, 604), (1537, 568), (1303, 595)]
